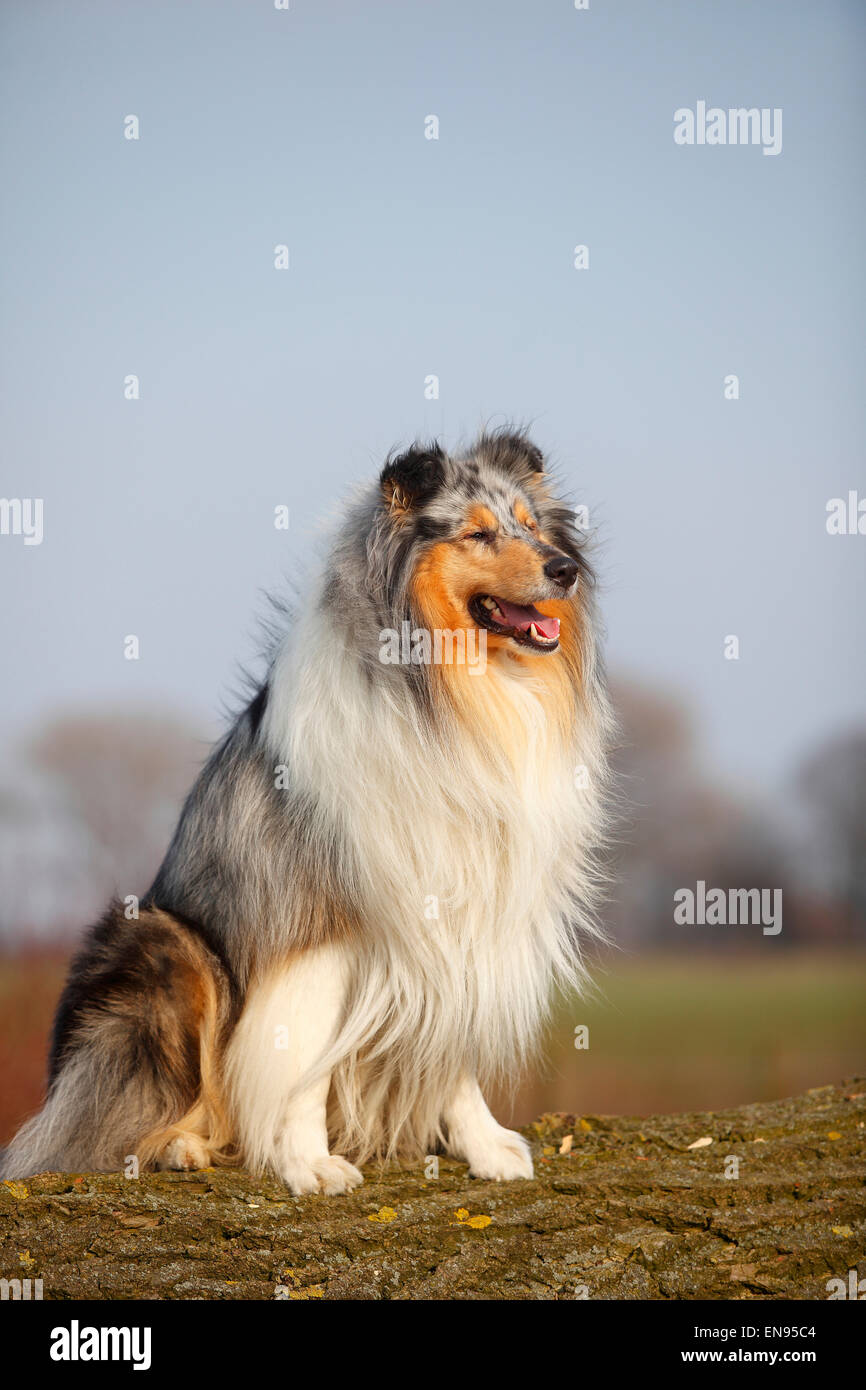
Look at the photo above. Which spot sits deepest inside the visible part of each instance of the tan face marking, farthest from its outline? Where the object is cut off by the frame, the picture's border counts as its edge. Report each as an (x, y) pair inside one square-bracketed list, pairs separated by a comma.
[(451, 572), (524, 515), (480, 518), (449, 575)]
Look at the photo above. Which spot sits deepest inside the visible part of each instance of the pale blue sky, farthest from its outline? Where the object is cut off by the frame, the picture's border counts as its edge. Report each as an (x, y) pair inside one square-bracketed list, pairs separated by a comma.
[(453, 257)]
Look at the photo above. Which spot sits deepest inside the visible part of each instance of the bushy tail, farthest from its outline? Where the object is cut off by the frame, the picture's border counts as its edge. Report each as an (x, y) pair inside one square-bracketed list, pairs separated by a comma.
[(138, 1035), (91, 1120)]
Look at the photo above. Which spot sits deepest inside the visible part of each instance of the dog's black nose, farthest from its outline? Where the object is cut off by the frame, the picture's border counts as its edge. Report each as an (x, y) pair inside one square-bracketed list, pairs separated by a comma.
[(562, 570)]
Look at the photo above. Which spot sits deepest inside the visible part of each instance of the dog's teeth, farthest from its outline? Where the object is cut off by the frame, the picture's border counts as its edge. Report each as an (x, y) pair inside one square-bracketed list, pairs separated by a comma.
[(488, 603), (533, 632)]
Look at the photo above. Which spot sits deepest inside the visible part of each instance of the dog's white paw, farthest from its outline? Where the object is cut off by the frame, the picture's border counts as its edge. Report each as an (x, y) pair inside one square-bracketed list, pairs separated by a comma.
[(183, 1153), (500, 1156), (337, 1174), (329, 1174)]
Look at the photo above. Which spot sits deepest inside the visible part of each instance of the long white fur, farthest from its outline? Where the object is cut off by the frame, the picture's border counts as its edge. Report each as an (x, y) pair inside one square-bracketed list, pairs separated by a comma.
[(499, 837), (287, 1023)]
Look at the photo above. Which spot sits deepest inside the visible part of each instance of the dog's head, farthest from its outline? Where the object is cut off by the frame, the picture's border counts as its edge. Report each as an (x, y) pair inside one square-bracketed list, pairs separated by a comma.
[(483, 543)]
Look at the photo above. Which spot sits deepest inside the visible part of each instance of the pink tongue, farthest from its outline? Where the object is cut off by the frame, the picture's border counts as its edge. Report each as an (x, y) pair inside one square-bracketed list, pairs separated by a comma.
[(517, 616)]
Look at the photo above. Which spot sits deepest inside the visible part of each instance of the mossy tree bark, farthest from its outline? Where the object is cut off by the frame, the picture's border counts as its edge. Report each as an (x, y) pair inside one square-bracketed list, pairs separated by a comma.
[(773, 1207)]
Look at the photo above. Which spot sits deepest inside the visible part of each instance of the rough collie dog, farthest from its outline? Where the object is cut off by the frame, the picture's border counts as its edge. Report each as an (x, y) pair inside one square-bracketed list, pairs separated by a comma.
[(382, 872)]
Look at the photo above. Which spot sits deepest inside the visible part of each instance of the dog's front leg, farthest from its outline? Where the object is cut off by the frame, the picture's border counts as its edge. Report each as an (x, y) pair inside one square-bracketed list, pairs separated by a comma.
[(490, 1150), (288, 1021)]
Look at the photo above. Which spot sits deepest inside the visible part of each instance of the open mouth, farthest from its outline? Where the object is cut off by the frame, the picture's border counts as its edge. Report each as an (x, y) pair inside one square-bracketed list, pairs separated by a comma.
[(522, 623)]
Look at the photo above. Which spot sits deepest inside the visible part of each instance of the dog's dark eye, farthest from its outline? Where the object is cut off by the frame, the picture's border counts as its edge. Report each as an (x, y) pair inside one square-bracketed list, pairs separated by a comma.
[(484, 536)]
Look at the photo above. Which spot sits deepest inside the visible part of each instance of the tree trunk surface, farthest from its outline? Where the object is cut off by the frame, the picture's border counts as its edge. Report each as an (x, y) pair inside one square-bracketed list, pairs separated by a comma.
[(620, 1207)]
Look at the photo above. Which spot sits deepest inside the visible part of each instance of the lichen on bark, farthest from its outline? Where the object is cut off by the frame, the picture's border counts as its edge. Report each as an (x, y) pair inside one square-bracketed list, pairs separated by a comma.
[(773, 1207)]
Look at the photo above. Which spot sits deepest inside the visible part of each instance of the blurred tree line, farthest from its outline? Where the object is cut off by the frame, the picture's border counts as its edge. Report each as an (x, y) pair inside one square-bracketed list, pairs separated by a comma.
[(89, 809), (675, 825)]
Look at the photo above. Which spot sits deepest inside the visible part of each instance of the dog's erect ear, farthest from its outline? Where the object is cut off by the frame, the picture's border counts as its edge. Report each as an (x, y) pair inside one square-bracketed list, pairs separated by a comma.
[(513, 452), (409, 480)]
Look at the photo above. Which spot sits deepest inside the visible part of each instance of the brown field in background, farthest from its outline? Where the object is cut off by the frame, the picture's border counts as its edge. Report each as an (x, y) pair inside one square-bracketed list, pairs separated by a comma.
[(666, 1033), (703, 1032), (30, 986)]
